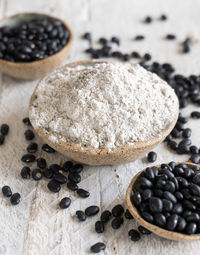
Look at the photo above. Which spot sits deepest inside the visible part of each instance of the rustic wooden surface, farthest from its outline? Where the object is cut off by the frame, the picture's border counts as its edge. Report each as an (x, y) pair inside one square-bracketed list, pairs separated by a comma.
[(36, 225)]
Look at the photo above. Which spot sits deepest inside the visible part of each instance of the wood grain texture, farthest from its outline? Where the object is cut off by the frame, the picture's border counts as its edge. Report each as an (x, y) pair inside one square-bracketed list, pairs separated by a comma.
[(36, 226)]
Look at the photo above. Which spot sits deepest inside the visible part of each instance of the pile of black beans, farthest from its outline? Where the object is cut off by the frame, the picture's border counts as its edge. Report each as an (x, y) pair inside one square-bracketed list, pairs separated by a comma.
[(32, 40), (169, 197)]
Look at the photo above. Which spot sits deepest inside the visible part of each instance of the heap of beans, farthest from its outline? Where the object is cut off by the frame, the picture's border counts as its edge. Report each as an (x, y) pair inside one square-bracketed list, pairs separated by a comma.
[(32, 40), (169, 197)]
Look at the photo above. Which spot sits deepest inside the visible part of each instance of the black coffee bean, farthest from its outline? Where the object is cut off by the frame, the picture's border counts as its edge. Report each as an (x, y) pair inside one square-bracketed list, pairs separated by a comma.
[(28, 158), (117, 222), (15, 198), (26, 172), (96, 248), (91, 210), (105, 216), (195, 115), (67, 165), (4, 129), (194, 189), (117, 211), (152, 156), (32, 148), (148, 19), (54, 186), (136, 198), (147, 216), (27, 122), (195, 159), (76, 178), (76, 168), (29, 135), (65, 202), (134, 235), (168, 195), (47, 148), (139, 38), (2, 139), (60, 178), (6, 190), (48, 173), (172, 222), (37, 174), (72, 186), (160, 219), (144, 231), (170, 37), (99, 227), (145, 183), (155, 205), (41, 163), (146, 194), (128, 215), (191, 228), (83, 193), (167, 205), (81, 215)]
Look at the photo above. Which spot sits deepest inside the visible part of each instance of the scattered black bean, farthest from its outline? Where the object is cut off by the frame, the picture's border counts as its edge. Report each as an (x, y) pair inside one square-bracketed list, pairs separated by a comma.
[(144, 231), (32, 148), (76, 168), (54, 186), (117, 222), (47, 148), (28, 158), (128, 215), (65, 202), (148, 20), (117, 211), (67, 165), (170, 37), (4, 129), (163, 17), (96, 248), (152, 156), (48, 173), (27, 122), (72, 186), (135, 54), (6, 190), (139, 38), (87, 36), (99, 227), (76, 178), (91, 210), (29, 135), (147, 57), (37, 174), (116, 40), (15, 198), (83, 193), (105, 216), (26, 172), (2, 139), (60, 178), (195, 115), (134, 235), (41, 163), (81, 215)]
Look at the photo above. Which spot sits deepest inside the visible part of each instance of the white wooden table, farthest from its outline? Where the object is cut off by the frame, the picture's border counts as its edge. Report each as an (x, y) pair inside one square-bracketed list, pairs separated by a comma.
[(36, 225)]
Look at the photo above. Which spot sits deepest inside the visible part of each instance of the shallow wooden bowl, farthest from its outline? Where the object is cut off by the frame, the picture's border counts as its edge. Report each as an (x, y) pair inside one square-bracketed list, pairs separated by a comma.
[(90, 156), (39, 68), (153, 228)]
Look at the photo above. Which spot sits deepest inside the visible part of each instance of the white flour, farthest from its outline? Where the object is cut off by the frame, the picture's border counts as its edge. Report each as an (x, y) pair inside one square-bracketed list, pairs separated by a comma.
[(104, 105)]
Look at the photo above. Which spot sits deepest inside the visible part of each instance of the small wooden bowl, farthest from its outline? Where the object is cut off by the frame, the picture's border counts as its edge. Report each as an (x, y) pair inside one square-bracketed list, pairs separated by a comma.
[(39, 68), (91, 156), (153, 228)]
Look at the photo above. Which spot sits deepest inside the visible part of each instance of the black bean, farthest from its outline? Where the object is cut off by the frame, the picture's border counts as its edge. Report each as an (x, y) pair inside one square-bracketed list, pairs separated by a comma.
[(163, 17), (158, 193), (48, 173), (173, 145), (92, 210), (26, 172), (196, 178), (117, 210), (146, 194), (182, 182), (37, 174), (155, 205), (105, 216), (81, 215), (147, 216), (2, 139), (139, 38), (195, 115), (150, 173), (145, 183), (55, 168), (168, 195), (167, 205), (15, 198), (134, 235), (54, 186), (191, 228), (32, 148), (87, 36), (76, 168), (116, 40), (126, 57), (99, 227), (76, 178), (178, 208), (148, 19), (152, 156), (187, 133), (67, 165), (172, 222), (96, 248), (29, 135), (72, 186), (65, 202), (128, 215), (147, 57), (179, 195), (135, 54), (6, 190), (181, 225), (169, 186), (136, 198), (27, 122), (28, 158), (144, 231), (189, 205), (83, 193), (41, 163), (170, 37), (47, 148), (194, 189), (160, 219), (4, 129), (193, 217), (195, 158), (117, 222), (178, 171), (60, 178), (103, 40), (194, 149)]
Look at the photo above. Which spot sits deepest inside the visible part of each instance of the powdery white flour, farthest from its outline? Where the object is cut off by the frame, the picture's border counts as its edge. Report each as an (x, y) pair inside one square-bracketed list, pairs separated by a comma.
[(103, 105)]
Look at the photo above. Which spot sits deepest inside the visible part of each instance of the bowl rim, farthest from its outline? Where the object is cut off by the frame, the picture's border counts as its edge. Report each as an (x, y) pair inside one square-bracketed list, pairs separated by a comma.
[(175, 236), (138, 146), (42, 61)]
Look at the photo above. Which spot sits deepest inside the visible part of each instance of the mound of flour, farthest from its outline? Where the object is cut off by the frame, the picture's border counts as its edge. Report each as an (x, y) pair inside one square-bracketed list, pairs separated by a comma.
[(104, 105)]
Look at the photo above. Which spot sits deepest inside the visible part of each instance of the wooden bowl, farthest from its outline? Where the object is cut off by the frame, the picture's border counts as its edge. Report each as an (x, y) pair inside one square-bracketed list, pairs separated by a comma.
[(39, 68), (91, 156), (153, 228)]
